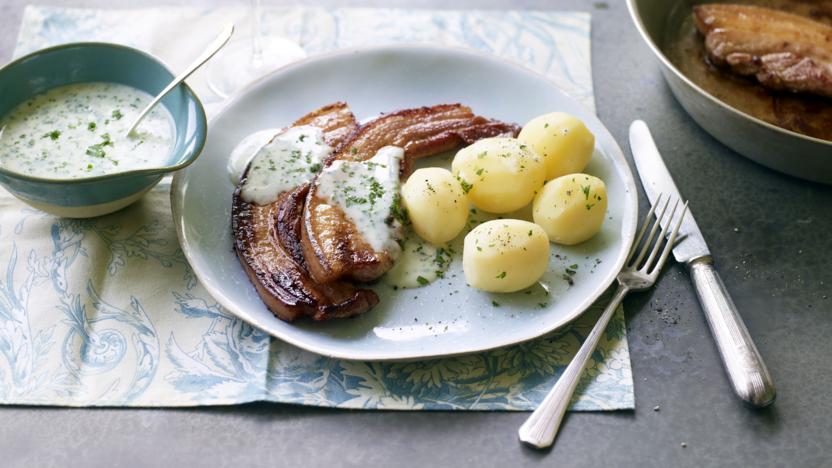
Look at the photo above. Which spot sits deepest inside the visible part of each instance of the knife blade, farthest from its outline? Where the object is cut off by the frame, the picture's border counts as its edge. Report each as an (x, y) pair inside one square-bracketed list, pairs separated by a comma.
[(743, 363), (657, 180)]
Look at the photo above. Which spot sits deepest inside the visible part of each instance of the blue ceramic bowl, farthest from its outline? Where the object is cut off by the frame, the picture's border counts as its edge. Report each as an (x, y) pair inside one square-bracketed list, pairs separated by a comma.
[(85, 62)]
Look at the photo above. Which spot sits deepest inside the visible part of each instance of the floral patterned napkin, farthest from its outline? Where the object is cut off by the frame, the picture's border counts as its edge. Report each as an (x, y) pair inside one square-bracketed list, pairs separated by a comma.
[(107, 312)]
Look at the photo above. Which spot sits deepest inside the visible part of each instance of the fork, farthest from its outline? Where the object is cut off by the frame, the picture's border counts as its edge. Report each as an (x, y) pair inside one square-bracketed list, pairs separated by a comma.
[(638, 274)]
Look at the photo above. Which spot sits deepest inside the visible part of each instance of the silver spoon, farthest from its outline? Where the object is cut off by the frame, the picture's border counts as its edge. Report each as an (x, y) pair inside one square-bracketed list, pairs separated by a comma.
[(212, 49)]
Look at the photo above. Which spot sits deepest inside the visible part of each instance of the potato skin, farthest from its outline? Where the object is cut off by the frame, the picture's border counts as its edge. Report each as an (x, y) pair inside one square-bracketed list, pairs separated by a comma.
[(505, 255), (571, 208), (563, 141), (499, 175), (436, 204)]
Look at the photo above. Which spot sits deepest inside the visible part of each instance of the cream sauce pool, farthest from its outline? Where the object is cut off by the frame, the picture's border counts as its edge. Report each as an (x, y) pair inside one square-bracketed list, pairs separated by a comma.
[(419, 264), (77, 130), (245, 151)]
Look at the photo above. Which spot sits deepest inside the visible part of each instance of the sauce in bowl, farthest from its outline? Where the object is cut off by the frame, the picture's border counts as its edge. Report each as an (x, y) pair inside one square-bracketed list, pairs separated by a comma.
[(77, 130)]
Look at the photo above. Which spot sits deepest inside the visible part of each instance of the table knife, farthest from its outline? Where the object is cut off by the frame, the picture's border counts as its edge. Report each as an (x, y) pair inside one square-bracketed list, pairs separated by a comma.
[(743, 364)]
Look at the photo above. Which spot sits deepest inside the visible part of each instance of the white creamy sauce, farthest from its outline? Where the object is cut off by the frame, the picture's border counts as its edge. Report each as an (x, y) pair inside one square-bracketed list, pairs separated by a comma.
[(365, 191), (78, 131), (245, 151), (419, 264), (289, 160)]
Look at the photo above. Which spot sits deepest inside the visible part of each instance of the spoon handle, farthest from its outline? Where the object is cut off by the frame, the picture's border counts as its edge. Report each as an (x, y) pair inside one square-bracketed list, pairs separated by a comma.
[(212, 49), (542, 426)]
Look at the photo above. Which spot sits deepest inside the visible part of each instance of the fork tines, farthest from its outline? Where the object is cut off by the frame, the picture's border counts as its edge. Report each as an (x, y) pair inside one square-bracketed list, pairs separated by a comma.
[(650, 264)]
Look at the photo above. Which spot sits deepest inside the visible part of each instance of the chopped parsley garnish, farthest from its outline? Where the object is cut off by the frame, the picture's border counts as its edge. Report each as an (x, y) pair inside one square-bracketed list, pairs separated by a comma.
[(397, 211), (479, 171), (501, 275), (301, 138), (442, 257), (530, 232), (54, 134), (466, 187), (117, 114), (91, 126), (495, 303), (353, 200), (422, 280), (96, 150), (585, 189), (353, 150), (376, 191), (315, 167)]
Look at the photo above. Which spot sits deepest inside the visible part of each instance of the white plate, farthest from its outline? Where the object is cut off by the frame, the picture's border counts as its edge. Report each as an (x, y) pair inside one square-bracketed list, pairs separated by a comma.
[(446, 317)]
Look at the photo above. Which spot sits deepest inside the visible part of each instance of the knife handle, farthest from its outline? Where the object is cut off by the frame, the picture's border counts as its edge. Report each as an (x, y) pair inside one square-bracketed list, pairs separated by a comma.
[(743, 363)]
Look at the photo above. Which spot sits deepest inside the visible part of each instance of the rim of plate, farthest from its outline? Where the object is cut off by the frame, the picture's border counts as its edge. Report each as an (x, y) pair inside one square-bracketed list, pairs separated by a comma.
[(629, 214)]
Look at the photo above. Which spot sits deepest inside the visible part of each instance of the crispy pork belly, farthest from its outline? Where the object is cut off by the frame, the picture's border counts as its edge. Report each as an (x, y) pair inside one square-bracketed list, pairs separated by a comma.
[(333, 246), (783, 51), (271, 239), (267, 242)]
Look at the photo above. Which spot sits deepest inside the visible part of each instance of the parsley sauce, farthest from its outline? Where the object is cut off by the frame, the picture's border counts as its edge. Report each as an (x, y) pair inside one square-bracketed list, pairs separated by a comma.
[(420, 264), (77, 130), (289, 160), (366, 192), (245, 151)]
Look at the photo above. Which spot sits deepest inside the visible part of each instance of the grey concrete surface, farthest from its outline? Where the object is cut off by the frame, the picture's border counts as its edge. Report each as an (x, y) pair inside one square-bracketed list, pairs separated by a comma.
[(777, 264)]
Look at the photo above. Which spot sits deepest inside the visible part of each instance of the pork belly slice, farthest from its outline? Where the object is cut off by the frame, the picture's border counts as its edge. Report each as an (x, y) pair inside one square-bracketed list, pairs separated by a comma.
[(783, 51), (421, 132), (333, 246), (267, 242)]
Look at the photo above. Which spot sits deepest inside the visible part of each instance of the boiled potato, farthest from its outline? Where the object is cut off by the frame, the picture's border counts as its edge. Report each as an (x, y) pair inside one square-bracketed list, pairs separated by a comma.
[(563, 141), (505, 255), (571, 208), (499, 174), (435, 203)]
